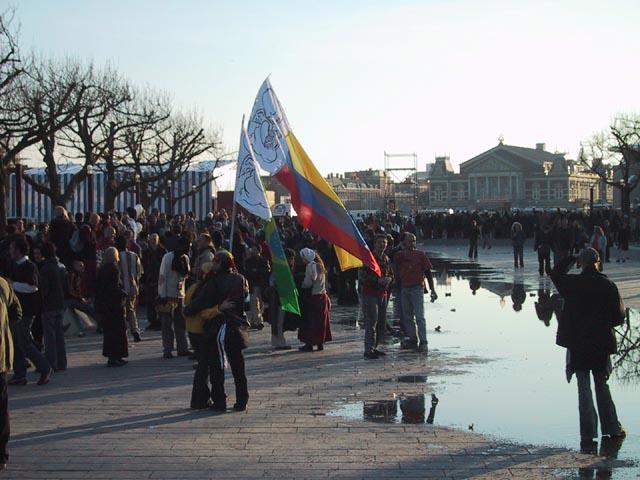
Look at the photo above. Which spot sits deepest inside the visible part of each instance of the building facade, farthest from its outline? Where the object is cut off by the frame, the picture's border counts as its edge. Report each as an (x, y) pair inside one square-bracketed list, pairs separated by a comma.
[(508, 176)]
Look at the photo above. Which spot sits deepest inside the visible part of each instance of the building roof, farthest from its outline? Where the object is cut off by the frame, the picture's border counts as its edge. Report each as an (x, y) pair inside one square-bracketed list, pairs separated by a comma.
[(520, 158)]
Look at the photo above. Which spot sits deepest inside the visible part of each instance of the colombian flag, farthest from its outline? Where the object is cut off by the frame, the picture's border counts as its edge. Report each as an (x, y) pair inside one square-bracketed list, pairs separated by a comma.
[(319, 209)]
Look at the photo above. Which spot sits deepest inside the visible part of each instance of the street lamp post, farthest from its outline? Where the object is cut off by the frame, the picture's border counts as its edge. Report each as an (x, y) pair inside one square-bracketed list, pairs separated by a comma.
[(170, 197), (90, 188), (194, 200), (18, 194), (137, 180)]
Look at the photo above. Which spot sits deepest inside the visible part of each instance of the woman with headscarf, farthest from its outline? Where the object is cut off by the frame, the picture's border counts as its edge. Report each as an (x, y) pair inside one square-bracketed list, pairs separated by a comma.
[(315, 328), (109, 306), (227, 333)]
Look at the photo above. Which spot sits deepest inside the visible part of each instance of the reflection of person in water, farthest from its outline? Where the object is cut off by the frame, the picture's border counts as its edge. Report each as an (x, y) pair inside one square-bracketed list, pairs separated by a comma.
[(412, 409), (474, 284), (432, 410), (518, 296), (544, 306)]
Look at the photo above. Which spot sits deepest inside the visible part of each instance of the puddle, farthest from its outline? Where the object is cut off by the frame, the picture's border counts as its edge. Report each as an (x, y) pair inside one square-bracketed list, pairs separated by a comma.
[(522, 394), (412, 379), (406, 409)]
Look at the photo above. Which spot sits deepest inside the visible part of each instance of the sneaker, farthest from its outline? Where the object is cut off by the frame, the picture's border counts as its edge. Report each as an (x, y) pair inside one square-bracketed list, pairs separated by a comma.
[(168, 355), (240, 407), (370, 355), (44, 378), (136, 337), (18, 381)]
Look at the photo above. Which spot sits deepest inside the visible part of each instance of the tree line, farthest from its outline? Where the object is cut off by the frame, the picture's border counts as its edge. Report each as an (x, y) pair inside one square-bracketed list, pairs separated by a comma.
[(71, 110)]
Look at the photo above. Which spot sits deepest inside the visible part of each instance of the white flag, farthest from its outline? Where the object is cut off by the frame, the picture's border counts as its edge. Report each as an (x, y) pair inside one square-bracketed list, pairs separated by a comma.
[(249, 192), (268, 128)]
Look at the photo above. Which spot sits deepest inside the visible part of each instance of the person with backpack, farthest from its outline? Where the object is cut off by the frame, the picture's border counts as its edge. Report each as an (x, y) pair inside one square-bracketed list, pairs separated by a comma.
[(130, 273)]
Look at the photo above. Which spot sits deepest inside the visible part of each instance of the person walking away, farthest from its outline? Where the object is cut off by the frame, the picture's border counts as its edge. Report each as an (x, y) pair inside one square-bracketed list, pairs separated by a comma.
[(110, 308), (174, 269), (542, 245), (130, 272), (517, 240), (562, 238), (257, 272), (24, 277), (374, 298), (411, 268), (315, 328), (474, 234), (53, 279), (10, 312), (592, 308), (226, 333), (151, 260), (278, 318)]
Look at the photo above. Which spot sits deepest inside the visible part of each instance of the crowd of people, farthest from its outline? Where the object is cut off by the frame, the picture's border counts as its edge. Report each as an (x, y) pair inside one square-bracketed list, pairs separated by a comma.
[(205, 283)]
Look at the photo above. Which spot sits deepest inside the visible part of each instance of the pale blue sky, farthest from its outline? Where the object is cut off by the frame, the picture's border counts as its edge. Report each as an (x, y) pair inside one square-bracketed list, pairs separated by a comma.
[(357, 78)]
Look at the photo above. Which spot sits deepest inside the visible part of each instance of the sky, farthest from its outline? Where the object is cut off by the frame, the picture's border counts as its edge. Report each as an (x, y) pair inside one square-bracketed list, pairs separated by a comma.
[(360, 78)]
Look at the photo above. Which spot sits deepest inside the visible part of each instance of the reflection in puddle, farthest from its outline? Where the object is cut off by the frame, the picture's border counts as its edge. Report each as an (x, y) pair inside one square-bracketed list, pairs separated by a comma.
[(406, 409)]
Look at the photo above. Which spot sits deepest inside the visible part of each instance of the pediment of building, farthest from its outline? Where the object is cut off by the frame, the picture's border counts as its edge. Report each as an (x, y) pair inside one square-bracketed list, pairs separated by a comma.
[(491, 164)]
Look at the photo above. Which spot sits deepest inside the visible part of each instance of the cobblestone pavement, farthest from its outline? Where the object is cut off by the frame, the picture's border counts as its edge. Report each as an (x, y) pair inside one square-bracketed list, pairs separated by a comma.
[(134, 422)]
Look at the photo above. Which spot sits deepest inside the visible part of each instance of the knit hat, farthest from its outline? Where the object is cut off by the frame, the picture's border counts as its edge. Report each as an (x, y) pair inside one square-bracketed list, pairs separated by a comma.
[(308, 254), (225, 259)]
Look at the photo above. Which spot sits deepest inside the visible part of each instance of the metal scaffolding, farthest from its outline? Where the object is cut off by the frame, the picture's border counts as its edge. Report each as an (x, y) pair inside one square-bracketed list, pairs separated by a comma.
[(401, 184)]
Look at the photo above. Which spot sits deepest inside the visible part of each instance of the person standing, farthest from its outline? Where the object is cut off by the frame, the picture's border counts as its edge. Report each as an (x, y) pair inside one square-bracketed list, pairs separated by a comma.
[(130, 272), (226, 333), (542, 245), (53, 279), (257, 272), (174, 270), (517, 241), (474, 234), (411, 267), (315, 328), (592, 308), (24, 276), (151, 260), (598, 242), (110, 307), (10, 312), (374, 298)]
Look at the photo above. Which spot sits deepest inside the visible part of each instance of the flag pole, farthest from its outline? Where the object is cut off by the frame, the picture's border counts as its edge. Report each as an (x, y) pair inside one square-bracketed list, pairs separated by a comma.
[(235, 189)]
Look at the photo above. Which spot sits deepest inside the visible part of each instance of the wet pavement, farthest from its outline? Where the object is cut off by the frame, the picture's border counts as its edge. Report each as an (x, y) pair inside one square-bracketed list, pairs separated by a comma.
[(489, 401), (509, 320)]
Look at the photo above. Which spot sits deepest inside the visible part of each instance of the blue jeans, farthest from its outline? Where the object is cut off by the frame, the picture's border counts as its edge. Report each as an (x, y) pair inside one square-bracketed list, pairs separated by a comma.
[(606, 408), (54, 346), (25, 348), (415, 326)]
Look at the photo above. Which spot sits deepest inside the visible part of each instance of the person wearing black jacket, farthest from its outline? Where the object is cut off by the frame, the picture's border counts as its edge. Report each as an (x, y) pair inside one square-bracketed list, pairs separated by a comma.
[(592, 307), (542, 245), (228, 332), (257, 272), (151, 260), (52, 284), (474, 234), (24, 275)]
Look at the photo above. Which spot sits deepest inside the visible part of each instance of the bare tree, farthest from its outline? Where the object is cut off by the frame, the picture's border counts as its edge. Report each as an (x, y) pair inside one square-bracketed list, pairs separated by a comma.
[(10, 69), (180, 140), (614, 154)]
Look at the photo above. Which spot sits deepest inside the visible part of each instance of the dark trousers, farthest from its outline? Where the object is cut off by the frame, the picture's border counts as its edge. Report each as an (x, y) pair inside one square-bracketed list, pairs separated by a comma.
[(151, 293), (202, 347), (473, 249), (236, 361), (544, 262), (25, 348), (518, 255), (4, 418), (54, 344)]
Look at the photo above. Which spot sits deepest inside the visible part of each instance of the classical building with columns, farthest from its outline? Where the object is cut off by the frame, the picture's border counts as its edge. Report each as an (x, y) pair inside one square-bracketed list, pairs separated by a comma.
[(507, 176)]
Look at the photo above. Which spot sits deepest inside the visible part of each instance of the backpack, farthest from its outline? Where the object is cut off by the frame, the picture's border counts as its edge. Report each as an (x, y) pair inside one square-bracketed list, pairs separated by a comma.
[(75, 243)]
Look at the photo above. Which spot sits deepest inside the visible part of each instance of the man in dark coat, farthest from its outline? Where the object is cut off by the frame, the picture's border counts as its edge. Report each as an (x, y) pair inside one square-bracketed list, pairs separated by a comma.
[(151, 260), (228, 332), (592, 307)]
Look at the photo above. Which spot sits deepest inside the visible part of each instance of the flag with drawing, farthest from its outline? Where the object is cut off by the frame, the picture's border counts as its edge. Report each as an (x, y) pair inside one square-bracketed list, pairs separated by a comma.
[(319, 209)]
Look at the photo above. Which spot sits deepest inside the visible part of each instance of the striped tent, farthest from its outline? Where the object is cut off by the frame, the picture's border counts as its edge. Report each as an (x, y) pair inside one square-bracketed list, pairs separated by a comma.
[(38, 207)]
